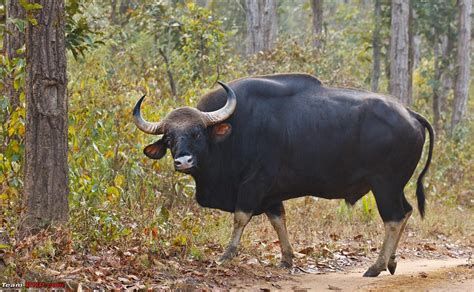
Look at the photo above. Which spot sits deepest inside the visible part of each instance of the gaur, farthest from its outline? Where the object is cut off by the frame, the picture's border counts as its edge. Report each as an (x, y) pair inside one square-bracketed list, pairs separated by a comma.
[(262, 140)]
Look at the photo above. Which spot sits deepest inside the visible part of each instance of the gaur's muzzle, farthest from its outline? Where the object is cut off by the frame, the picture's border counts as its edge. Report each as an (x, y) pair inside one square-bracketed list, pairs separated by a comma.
[(184, 162)]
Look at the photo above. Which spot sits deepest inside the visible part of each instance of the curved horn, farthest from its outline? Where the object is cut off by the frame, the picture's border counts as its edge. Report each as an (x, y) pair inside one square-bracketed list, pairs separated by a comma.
[(147, 127), (212, 118)]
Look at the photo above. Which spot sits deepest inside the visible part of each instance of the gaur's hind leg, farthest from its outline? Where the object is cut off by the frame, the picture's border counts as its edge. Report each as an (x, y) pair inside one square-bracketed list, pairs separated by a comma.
[(240, 221), (276, 215), (392, 263), (390, 205)]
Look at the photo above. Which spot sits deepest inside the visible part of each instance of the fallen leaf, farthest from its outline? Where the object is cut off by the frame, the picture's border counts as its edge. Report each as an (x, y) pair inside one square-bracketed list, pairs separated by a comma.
[(299, 255), (429, 247), (334, 236), (99, 273), (358, 236), (307, 250), (253, 261), (326, 251)]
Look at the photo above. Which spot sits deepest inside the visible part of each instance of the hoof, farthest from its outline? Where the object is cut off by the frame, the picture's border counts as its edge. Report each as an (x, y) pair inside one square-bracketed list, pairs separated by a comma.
[(285, 264), (392, 266), (229, 254), (372, 272)]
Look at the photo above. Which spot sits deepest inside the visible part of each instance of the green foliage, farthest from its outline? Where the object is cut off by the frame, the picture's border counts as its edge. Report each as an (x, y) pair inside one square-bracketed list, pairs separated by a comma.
[(188, 41), (30, 9), (80, 35), (12, 133), (435, 19)]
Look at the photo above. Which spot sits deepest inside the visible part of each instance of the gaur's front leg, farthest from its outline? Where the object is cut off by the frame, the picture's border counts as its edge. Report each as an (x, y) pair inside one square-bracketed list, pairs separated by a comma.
[(276, 214), (240, 221)]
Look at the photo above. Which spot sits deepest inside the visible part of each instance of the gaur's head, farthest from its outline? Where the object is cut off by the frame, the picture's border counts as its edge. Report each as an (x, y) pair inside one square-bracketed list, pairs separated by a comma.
[(187, 132)]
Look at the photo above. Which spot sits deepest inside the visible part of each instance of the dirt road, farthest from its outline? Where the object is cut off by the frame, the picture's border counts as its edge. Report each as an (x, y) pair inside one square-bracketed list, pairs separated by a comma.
[(418, 274)]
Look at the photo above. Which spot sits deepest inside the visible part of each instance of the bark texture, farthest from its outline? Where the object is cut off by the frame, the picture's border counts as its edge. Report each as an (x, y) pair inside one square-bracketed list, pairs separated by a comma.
[(411, 52), (461, 88), (262, 25), (436, 97), (46, 169), (317, 8), (13, 40), (399, 47), (376, 46), (442, 76)]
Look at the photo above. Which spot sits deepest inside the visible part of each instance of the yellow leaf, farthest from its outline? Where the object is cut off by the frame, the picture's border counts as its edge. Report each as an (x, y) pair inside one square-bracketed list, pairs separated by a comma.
[(16, 84), (119, 180), (72, 130), (21, 130), (113, 191), (15, 147), (11, 131), (180, 240)]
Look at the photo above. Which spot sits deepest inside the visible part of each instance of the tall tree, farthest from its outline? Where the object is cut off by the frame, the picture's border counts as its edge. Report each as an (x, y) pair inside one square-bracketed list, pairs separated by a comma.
[(463, 62), (411, 51), (317, 8), (46, 168), (442, 75), (399, 47), (435, 21), (376, 46), (262, 25), (13, 40), (120, 17)]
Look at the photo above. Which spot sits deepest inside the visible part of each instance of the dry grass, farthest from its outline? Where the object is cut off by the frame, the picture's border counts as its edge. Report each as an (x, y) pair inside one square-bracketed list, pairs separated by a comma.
[(321, 222)]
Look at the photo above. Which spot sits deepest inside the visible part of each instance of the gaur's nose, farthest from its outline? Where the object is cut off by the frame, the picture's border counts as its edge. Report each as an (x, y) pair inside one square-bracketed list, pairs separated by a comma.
[(184, 162)]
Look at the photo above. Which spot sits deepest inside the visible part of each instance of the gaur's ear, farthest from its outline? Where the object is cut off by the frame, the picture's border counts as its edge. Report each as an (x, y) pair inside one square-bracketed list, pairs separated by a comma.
[(156, 150), (220, 132)]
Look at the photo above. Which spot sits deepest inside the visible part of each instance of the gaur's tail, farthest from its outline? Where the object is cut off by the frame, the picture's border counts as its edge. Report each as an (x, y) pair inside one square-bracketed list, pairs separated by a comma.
[(420, 193)]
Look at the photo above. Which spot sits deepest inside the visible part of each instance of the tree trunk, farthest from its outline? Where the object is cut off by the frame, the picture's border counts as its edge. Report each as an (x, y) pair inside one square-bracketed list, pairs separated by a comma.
[(446, 69), (13, 41), (169, 73), (46, 169), (317, 8), (411, 52), (124, 6), (113, 11), (416, 50), (463, 62), (442, 76), (399, 47), (376, 46), (387, 63), (262, 25), (436, 96)]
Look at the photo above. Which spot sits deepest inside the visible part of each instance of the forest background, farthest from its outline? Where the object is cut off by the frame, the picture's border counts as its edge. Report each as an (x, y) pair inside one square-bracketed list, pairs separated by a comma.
[(119, 203)]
